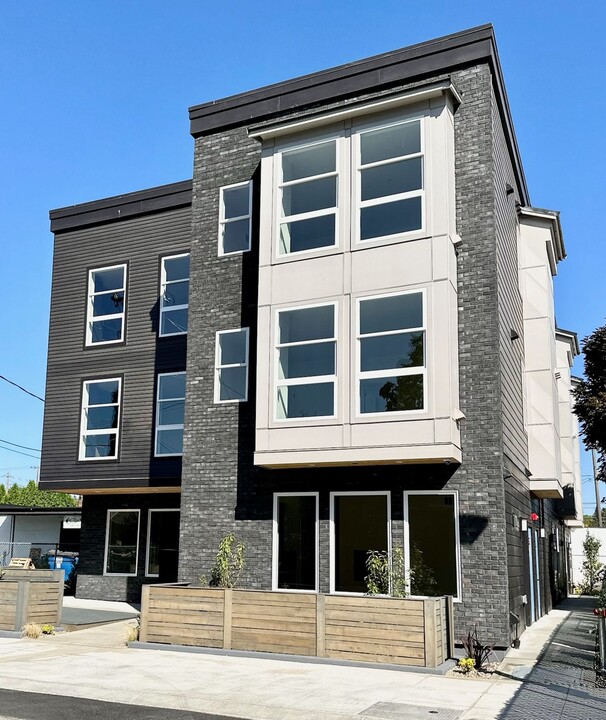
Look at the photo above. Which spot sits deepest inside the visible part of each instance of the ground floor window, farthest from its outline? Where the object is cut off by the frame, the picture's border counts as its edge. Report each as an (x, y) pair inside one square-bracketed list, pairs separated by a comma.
[(432, 543), (295, 541), (359, 523), (162, 544), (122, 542)]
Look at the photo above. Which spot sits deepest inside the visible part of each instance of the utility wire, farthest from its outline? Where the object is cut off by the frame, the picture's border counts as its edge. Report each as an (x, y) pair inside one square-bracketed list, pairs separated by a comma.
[(19, 452), (10, 382), (25, 447)]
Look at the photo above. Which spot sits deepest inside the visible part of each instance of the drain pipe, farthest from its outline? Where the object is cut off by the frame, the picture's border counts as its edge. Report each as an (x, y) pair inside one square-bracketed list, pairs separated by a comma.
[(602, 642)]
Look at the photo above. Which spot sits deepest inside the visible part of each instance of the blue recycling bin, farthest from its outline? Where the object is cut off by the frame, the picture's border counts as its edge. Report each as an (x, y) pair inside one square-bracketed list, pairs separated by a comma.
[(63, 561)]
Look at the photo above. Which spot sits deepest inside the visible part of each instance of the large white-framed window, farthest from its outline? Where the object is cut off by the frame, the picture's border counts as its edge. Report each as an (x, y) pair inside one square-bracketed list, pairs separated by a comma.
[(360, 522), (235, 218), (162, 535), (100, 419), (306, 362), (170, 413), (106, 305), (174, 294), (432, 543), (307, 191), (121, 542), (231, 366), (295, 542), (391, 354)]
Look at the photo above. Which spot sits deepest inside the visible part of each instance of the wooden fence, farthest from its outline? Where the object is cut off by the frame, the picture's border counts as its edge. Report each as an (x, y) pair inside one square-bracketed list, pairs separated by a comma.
[(30, 596), (368, 629)]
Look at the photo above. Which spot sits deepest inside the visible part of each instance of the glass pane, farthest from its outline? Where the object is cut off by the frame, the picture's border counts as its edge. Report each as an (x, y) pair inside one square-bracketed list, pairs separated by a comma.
[(391, 394), (102, 418), (360, 526), (176, 268), (390, 218), (391, 179), (307, 360), (171, 412), (236, 201), (391, 351), (100, 445), (232, 348), (236, 236), (390, 142), (163, 536), (169, 442), (297, 543), (122, 541), (110, 279), (307, 324), (175, 293), (173, 321), (106, 330), (432, 538), (108, 303), (391, 313), (307, 234), (315, 160), (171, 386), (299, 401), (102, 393), (232, 383), (309, 196)]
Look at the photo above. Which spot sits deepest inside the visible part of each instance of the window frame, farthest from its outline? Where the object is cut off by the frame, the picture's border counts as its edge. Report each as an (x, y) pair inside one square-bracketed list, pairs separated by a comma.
[(105, 554), (224, 221), (101, 431), (218, 368), (90, 319), (275, 543), (157, 425), (148, 538), (163, 285)]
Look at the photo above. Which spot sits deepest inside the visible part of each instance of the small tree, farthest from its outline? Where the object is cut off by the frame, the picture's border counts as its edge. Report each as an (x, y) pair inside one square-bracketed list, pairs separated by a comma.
[(385, 573), (229, 563), (591, 565)]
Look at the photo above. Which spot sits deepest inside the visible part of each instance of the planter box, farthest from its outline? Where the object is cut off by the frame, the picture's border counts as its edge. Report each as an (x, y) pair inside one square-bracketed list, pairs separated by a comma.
[(30, 596), (367, 629)]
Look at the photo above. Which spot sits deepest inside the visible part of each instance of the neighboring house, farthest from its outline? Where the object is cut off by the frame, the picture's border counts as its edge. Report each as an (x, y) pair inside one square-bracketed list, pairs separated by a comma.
[(578, 537), (361, 294)]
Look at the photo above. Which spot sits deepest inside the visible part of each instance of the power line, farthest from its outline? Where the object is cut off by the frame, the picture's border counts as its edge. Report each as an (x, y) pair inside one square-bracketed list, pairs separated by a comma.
[(25, 447), (10, 382), (19, 452)]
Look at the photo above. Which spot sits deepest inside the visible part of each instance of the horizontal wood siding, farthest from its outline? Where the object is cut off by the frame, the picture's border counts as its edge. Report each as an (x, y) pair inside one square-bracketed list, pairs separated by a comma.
[(8, 604), (44, 603), (30, 601)]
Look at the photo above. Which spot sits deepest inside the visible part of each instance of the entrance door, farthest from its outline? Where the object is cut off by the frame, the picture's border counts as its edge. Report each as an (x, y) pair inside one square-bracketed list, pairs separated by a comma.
[(537, 576), (531, 575)]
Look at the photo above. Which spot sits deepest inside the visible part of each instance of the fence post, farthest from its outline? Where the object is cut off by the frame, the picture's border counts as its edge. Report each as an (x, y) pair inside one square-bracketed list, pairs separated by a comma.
[(450, 625), (145, 590), (431, 639), (227, 602), (320, 625), (22, 603)]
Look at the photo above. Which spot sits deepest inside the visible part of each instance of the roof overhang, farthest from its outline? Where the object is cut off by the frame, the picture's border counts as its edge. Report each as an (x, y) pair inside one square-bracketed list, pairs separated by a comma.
[(546, 488), (550, 219), (570, 338)]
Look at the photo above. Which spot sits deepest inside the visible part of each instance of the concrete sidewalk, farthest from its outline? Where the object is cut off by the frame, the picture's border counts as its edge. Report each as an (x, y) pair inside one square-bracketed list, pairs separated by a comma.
[(95, 664)]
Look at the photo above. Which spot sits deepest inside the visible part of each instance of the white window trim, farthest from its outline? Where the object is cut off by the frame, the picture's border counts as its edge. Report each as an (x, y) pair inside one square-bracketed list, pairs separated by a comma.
[(121, 510), (164, 283), (89, 306), (147, 542), (223, 221), (455, 495), (101, 431), (275, 541), (369, 374), (159, 427), (218, 367), (333, 542), (308, 380)]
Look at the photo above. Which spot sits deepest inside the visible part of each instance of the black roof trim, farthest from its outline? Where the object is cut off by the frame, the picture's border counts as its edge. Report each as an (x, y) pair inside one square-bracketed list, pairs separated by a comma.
[(142, 202), (27, 510)]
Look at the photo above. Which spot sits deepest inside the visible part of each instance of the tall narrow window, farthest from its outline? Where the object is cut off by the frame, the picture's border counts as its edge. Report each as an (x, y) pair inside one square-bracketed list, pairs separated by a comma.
[(235, 218), (170, 410), (390, 180), (306, 363), (308, 198), (161, 559), (106, 305), (122, 542), (391, 353), (174, 295), (100, 419), (295, 541), (231, 366)]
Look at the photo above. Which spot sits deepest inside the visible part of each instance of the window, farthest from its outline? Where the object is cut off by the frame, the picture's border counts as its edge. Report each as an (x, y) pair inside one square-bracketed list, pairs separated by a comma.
[(306, 362), (231, 366), (307, 191), (100, 419), (431, 526), (122, 542), (162, 544), (174, 295), (391, 353), (170, 410), (295, 541), (235, 218), (106, 305), (359, 524)]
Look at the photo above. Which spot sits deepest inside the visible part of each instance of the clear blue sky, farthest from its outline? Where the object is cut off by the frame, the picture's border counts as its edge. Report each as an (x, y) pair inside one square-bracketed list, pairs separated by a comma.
[(94, 99)]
